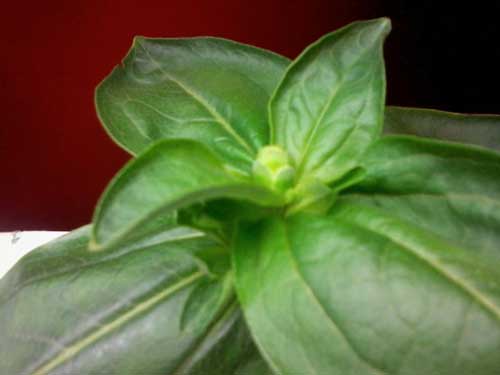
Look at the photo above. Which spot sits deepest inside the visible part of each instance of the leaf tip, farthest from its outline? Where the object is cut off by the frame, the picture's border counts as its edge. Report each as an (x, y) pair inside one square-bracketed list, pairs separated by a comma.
[(385, 23), (138, 40), (379, 28)]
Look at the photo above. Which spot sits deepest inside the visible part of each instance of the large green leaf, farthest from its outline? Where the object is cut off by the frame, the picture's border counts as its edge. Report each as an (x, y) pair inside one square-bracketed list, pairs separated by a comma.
[(449, 189), (482, 130), (329, 106), (164, 306), (208, 89), (172, 174), (363, 292)]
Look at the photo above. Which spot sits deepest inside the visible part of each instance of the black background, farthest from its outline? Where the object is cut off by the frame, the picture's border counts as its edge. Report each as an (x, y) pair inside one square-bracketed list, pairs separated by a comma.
[(444, 55)]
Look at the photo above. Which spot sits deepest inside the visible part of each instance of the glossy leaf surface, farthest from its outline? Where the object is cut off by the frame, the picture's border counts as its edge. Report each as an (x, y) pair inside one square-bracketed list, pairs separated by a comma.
[(481, 130), (329, 106), (170, 175), (448, 189), (138, 310), (363, 292), (212, 90), (351, 254)]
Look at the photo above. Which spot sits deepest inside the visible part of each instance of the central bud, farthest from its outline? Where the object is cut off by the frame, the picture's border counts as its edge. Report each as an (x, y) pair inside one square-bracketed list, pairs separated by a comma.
[(272, 169)]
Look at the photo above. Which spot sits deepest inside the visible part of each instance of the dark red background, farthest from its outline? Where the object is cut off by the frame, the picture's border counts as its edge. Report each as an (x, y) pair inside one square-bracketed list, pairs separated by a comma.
[(56, 159)]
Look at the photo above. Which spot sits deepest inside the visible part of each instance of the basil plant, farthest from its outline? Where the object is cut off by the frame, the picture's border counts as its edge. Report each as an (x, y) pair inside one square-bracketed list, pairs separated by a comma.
[(267, 224)]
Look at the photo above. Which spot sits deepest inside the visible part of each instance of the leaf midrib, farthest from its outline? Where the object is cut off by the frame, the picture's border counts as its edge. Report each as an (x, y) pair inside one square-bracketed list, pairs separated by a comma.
[(338, 148), (317, 123), (437, 267), (314, 297), (191, 92), (73, 350)]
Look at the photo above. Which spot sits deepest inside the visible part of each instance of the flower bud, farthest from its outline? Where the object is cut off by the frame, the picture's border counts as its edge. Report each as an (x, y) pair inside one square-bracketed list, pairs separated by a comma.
[(272, 169)]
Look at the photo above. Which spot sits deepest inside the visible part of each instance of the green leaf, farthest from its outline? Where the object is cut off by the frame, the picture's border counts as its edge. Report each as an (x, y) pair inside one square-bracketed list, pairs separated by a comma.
[(329, 106), (451, 190), (481, 130), (212, 90), (170, 175), (65, 310), (363, 292)]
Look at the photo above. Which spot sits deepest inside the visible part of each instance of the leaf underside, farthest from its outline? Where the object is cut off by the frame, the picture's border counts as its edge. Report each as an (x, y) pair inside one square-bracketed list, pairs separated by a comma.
[(126, 312), (170, 175)]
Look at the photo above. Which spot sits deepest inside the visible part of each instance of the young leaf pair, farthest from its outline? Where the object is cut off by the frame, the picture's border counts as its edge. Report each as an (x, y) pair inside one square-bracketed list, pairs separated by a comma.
[(319, 119), (347, 251)]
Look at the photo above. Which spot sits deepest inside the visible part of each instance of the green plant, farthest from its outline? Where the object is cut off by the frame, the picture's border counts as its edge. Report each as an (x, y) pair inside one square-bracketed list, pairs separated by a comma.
[(264, 209)]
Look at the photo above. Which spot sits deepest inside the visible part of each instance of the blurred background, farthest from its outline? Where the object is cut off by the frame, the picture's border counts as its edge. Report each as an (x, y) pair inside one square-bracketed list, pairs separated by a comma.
[(56, 160)]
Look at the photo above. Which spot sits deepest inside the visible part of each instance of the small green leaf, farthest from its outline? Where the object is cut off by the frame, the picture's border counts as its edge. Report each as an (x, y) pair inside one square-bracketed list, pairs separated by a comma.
[(449, 189), (170, 175), (481, 130), (209, 293), (211, 90), (310, 196), (65, 310), (363, 292), (329, 106)]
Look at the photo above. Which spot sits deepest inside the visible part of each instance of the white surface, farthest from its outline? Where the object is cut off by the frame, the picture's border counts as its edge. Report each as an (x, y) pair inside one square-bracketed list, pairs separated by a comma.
[(13, 245)]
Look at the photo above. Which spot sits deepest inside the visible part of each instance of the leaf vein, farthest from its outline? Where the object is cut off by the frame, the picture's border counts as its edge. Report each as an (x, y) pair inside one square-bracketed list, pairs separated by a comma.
[(439, 268), (216, 115), (73, 350), (315, 298)]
